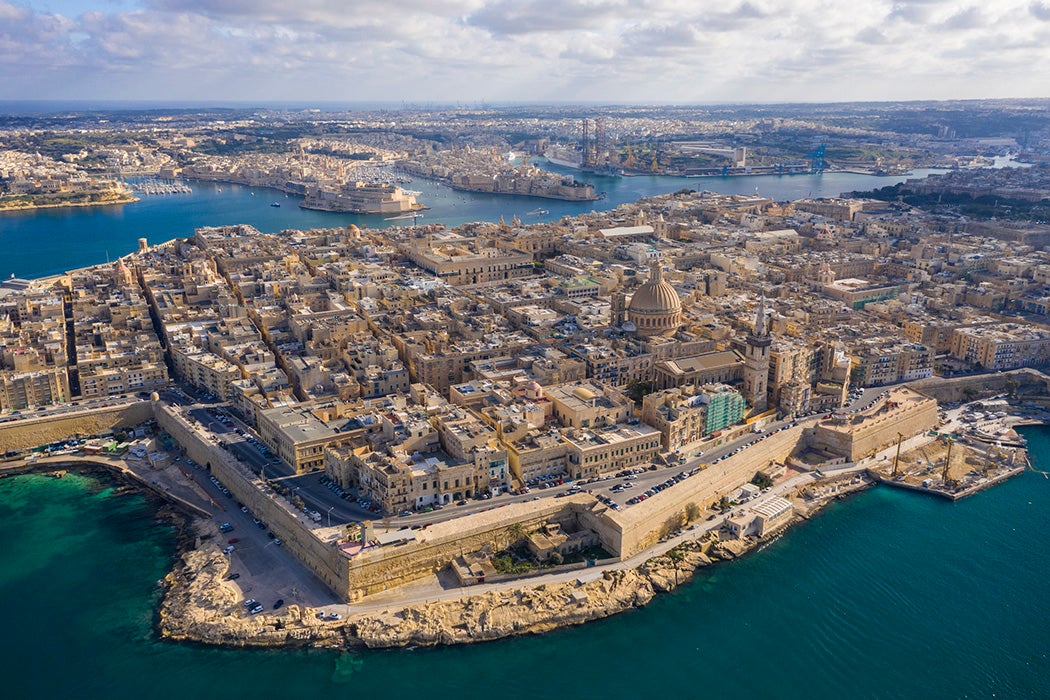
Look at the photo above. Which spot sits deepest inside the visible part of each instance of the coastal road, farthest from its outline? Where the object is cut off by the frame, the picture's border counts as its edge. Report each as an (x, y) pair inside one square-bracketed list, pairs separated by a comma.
[(431, 590)]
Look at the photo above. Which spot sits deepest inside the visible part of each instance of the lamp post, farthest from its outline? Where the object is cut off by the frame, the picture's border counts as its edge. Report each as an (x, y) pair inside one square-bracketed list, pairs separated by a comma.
[(330, 516)]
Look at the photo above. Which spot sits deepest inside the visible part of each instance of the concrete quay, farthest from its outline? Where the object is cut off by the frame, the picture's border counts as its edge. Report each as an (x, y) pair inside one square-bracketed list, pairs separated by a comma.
[(939, 490)]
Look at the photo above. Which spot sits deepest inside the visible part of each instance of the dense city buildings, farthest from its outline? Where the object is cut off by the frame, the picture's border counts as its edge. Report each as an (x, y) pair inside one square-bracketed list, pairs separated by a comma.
[(421, 367)]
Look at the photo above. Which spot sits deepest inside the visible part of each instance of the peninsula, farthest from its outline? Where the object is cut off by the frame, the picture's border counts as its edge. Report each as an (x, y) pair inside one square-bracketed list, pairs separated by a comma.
[(425, 435), (37, 182)]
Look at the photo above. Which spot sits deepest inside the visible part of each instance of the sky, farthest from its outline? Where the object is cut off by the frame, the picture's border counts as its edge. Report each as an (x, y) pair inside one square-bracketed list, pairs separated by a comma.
[(612, 51)]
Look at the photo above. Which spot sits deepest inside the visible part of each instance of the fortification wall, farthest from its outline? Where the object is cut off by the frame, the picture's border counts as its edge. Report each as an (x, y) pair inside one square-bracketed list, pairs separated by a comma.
[(875, 432), (376, 569), (641, 525), (31, 432), (323, 558), (959, 389)]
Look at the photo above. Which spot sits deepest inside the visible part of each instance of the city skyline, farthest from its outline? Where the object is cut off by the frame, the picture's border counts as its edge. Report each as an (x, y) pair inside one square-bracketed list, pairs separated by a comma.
[(485, 50)]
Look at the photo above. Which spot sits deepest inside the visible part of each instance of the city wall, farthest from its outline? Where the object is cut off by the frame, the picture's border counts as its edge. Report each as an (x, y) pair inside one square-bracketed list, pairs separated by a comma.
[(959, 389), (643, 524), (31, 432), (376, 569), (623, 533), (875, 432), (322, 558)]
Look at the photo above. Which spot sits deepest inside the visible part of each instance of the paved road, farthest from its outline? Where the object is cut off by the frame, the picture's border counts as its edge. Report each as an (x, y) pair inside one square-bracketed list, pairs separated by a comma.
[(432, 591)]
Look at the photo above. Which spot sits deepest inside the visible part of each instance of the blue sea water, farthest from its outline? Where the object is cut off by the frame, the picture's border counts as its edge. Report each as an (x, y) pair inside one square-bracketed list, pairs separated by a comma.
[(889, 594), (43, 242)]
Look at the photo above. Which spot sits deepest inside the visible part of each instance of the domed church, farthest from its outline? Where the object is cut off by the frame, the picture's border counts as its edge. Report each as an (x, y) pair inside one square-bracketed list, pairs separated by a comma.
[(655, 308)]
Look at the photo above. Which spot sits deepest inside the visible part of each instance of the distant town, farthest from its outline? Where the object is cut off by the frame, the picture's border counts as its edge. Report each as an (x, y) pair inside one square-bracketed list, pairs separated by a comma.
[(355, 161), (497, 401)]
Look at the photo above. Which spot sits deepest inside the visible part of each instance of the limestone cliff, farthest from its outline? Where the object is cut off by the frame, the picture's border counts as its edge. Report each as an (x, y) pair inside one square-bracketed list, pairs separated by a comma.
[(532, 610), (201, 606)]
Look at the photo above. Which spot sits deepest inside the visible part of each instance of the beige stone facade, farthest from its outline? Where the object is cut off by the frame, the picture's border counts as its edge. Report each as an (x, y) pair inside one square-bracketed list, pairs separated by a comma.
[(903, 412), (587, 404)]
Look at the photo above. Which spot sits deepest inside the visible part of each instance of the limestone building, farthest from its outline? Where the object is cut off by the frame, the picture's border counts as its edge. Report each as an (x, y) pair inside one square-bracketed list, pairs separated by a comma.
[(655, 308), (756, 361)]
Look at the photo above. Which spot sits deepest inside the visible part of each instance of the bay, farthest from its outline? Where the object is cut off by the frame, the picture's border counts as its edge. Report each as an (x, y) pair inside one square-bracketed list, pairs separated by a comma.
[(889, 594), (43, 242)]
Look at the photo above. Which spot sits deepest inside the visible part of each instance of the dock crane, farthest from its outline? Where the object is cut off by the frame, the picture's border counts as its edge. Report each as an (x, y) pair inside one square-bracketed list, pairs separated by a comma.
[(816, 159)]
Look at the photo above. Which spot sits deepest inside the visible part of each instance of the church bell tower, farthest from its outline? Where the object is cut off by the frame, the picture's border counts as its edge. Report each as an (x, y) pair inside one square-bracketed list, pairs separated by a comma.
[(756, 360)]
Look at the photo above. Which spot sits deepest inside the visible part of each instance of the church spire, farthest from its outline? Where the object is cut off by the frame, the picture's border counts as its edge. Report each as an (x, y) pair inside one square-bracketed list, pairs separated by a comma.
[(761, 329)]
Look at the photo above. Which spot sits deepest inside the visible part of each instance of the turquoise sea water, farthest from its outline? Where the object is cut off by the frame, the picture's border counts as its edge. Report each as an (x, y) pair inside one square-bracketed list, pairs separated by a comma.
[(51, 241), (889, 594)]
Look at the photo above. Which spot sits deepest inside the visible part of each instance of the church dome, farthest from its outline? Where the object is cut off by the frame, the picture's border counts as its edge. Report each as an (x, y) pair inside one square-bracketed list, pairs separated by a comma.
[(655, 308), (655, 296)]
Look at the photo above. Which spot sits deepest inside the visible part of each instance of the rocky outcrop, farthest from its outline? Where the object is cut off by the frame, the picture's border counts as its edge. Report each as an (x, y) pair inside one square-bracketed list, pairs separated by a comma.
[(533, 610), (201, 606)]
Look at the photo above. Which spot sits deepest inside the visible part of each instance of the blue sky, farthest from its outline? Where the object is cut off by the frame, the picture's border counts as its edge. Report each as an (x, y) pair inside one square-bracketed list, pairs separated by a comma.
[(669, 51)]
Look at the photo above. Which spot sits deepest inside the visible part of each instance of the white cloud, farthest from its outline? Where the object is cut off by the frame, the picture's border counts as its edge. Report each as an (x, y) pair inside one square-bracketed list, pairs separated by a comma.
[(608, 50)]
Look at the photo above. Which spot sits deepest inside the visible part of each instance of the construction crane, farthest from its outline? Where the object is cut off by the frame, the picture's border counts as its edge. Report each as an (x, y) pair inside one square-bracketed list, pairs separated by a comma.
[(897, 459), (947, 463), (816, 159), (586, 144), (631, 162)]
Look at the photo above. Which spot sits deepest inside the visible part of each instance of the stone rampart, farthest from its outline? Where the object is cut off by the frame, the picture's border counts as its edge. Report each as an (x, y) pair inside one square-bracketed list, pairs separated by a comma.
[(866, 433), (642, 524), (959, 389), (33, 431), (323, 558), (376, 569)]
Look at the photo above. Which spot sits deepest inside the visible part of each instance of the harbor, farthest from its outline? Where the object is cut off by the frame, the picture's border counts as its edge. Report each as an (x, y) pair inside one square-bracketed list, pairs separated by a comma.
[(153, 186)]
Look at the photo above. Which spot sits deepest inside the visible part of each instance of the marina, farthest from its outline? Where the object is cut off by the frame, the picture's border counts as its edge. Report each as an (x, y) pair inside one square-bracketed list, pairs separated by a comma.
[(152, 186)]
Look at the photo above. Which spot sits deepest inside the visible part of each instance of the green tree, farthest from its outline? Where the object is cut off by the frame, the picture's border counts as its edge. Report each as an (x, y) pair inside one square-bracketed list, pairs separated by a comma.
[(517, 533), (692, 512), (638, 389), (761, 480)]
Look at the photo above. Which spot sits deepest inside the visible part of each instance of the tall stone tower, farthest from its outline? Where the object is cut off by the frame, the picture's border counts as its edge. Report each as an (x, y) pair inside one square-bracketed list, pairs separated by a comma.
[(756, 360), (618, 308)]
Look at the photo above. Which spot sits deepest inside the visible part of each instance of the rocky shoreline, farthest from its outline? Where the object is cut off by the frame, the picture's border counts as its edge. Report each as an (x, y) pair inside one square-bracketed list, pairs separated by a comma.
[(197, 603)]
